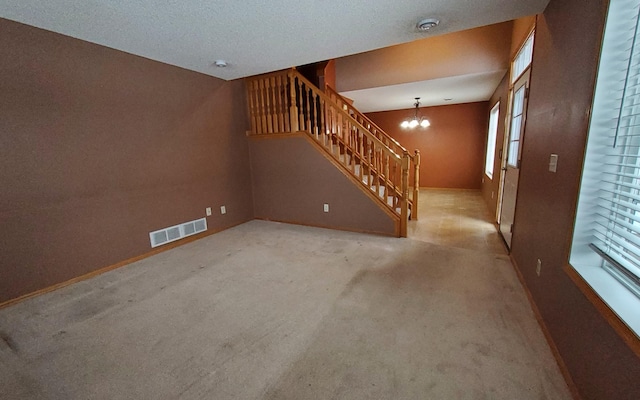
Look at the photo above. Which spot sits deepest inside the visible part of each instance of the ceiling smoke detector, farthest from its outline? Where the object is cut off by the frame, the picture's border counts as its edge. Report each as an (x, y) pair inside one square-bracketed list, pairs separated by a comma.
[(220, 63), (426, 24)]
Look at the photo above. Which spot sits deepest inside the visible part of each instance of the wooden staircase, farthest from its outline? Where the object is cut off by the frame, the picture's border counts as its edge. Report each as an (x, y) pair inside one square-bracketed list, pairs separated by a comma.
[(285, 102)]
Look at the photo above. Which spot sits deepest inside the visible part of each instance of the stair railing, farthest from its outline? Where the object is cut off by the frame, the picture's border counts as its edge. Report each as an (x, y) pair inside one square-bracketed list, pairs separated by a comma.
[(386, 139), (285, 102)]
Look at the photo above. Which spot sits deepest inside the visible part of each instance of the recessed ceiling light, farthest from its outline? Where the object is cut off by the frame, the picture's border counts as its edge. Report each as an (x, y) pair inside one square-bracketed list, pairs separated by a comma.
[(427, 23), (220, 63)]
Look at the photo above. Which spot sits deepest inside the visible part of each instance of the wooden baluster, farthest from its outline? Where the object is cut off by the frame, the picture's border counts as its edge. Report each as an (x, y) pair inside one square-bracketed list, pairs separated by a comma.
[(263, 118), (353, 154), (301, 110), (323, 129), (308, 109), (274, 101), (404, 205), (267, 105), (370, 161), (282, 103), (316, 117), (293, 109), (376, 160), (252, 111), (329, 122), (359, 154), (387, 160), (416, 184)]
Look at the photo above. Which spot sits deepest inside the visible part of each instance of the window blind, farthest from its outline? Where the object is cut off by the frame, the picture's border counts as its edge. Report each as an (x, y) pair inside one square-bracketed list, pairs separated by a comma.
[(607, 228)]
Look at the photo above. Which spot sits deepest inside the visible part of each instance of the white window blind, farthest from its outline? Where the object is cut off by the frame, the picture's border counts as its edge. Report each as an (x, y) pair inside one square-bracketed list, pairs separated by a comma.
[(491, 140), (607, 228)]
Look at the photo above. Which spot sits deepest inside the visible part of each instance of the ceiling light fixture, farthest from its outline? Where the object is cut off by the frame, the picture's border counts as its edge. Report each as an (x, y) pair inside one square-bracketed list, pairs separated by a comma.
[(427, 24), (414, 122)]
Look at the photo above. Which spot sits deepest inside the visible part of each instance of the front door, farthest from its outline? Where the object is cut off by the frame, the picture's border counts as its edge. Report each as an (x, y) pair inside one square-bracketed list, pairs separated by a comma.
[(511, 157)]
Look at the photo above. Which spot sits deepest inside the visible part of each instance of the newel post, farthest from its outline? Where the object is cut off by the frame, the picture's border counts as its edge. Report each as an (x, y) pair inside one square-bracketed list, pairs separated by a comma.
[(404, 201), (416, 185), (293, 111)]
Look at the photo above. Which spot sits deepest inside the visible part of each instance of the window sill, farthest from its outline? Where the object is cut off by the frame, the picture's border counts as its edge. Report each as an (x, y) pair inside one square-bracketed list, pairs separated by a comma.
[(615, 302)]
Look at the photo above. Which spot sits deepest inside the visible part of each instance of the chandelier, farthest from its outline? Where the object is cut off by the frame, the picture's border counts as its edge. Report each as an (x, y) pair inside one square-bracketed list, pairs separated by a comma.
[(414, 122)]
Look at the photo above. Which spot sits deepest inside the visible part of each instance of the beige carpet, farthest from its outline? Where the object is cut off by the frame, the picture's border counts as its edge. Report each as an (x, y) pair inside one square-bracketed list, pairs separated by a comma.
[(275, 311)]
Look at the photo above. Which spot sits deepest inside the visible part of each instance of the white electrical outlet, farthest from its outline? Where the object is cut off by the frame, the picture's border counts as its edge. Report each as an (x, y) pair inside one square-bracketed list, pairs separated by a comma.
[(538, 267), (208, 211), (223, 210), (326, 207)]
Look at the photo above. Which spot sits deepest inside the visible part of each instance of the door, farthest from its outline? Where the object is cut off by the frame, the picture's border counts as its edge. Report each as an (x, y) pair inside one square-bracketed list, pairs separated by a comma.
[(512, 155)]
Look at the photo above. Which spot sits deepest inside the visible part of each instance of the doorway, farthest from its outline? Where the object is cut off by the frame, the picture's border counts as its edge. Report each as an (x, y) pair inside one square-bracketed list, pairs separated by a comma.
[(511, 157)]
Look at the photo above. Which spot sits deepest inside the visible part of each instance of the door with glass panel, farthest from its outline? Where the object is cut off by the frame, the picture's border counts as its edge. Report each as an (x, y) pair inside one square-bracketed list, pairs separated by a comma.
[(512, 155)]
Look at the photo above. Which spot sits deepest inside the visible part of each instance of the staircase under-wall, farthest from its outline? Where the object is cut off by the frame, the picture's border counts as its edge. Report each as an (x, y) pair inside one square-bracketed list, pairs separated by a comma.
[(286, 103)]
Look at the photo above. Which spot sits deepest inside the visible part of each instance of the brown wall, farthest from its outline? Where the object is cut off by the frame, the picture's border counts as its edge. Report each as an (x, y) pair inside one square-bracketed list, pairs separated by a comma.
[(452, 148), (490, 186), (564, 65), (292, 180), (99, 147)]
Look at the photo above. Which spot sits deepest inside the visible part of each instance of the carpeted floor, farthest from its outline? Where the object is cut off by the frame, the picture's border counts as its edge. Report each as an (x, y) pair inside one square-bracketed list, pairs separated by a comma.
[(275, 311)]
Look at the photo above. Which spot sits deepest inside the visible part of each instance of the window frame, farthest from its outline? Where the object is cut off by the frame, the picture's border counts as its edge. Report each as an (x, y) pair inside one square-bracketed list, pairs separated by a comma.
[(528, 44), (588, 266)]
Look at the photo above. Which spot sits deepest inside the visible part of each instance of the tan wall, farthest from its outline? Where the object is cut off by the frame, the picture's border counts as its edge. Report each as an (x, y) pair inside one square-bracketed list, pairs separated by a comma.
[(292, 180), (99, 147), (521, 29), (467, 52), (452, 148), (330, 74), (562, 81)]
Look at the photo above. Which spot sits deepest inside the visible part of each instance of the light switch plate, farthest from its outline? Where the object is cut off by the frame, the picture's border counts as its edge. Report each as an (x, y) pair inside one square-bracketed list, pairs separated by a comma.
[(326, 207), (223, 210), (553, 163), (208, 211)]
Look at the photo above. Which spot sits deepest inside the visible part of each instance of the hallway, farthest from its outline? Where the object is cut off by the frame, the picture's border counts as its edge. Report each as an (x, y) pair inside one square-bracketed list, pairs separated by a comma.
[(456, 218)]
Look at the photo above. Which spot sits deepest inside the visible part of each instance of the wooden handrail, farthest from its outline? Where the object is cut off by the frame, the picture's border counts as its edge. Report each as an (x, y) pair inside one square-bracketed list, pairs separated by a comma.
[(349, 117), (333, 92)]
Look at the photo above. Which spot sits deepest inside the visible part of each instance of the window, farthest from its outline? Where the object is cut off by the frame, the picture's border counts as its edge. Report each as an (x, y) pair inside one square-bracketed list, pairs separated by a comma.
[(491, 140), (523, 58), (606, 242), (516, 127)]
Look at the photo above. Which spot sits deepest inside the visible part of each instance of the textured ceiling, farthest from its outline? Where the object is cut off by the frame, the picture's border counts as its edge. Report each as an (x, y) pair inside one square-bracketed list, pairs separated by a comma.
[(256, 36)]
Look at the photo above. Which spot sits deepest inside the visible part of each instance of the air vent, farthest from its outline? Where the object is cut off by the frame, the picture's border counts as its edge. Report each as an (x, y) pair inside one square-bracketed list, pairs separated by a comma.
[(173, 233)]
